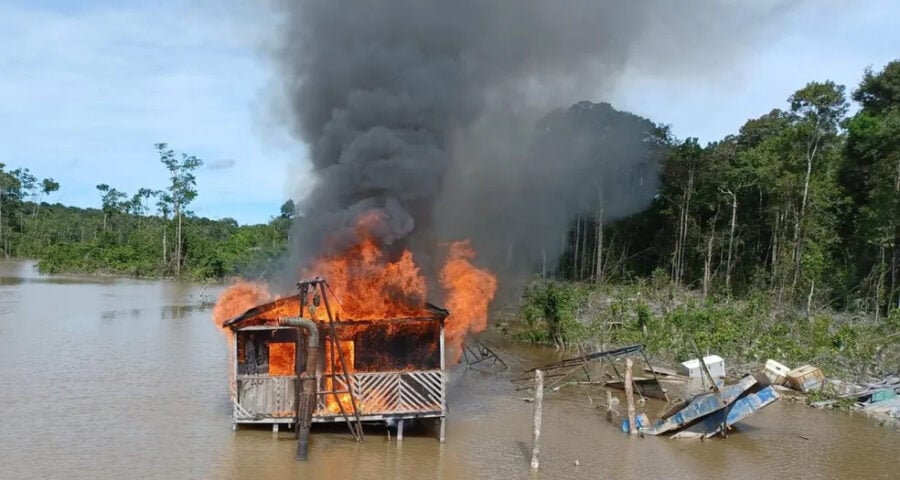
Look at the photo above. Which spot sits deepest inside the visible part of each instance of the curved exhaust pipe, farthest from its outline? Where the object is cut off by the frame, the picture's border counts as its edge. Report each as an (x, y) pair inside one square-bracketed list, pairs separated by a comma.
[(306, 397)]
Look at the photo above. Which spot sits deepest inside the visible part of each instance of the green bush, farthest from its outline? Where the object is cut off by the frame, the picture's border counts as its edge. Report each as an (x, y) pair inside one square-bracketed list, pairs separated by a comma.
[(744, 331)]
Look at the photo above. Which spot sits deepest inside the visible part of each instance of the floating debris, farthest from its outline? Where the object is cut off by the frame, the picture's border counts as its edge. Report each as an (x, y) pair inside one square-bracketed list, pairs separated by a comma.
[(590, 369)]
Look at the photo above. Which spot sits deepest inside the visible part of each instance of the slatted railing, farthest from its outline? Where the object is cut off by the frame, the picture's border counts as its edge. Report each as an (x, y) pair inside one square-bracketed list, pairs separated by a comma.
[(377, 394), (387, 393)]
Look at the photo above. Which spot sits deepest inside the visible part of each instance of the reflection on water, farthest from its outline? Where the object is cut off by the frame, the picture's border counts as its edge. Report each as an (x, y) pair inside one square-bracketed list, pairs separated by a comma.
[(118, 378)]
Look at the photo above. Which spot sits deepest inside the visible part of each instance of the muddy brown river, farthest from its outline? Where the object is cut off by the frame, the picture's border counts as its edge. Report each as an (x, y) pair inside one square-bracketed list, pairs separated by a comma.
[(116, 378)]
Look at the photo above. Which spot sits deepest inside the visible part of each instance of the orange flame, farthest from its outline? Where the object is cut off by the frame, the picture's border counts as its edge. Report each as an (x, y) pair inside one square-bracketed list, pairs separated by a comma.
[(282, 356), (367, 285), (239, 298), (469, 292), (335, 401)]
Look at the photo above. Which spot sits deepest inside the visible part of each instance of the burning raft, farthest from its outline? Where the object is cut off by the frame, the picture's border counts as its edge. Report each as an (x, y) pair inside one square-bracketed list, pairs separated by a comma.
[(387, 370)]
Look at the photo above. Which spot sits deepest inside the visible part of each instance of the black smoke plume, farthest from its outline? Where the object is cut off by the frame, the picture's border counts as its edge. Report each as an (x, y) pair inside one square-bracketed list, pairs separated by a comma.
[(427, 113)]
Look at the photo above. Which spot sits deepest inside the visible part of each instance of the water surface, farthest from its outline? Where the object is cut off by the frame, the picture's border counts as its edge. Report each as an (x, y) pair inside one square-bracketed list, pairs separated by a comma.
[(108, 378)]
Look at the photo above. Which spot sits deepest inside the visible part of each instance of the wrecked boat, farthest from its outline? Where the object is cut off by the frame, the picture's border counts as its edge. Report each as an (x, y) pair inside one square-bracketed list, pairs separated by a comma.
[(713, 413)]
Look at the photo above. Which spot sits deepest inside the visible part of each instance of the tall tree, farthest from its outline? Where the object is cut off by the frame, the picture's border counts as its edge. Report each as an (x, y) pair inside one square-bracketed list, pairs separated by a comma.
[(680, 173), (182, 190), (112, 202), (48, 186), (820, 108), (9, 197), (288, 209), (871, 175)]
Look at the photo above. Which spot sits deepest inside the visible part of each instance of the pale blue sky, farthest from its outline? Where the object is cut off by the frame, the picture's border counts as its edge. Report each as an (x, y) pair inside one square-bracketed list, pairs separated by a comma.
[(87, 88)]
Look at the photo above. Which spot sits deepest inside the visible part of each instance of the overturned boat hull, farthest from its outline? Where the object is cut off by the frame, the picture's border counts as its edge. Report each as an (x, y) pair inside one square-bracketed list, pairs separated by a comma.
[(719, 421), (702, 406)]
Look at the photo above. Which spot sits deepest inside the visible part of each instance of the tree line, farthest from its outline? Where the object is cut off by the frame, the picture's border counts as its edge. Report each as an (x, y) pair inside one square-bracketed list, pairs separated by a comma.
[(802, 202), (151, 232)]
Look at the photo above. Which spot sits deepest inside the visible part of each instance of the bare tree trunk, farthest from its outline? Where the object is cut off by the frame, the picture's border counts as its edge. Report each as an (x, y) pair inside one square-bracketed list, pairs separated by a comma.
[(164, 249), (682, 231), (734, 206), (598, 268), (577, 243), (809, 299), (178, 248), (677, 246), (707, 266), (811, 149), (687, 212), (543, 264), (879, 286), (893, 282), (707, 263), (585, 254), (37, 206), (607, 261), (775, 232)]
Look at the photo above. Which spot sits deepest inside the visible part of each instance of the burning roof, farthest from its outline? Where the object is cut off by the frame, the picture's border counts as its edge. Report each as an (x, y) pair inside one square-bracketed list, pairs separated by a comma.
[(288, 307)]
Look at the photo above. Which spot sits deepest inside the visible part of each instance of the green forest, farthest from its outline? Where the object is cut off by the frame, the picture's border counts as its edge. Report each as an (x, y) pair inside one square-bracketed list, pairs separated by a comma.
[(148, 233), (779, 241), (803, 202)]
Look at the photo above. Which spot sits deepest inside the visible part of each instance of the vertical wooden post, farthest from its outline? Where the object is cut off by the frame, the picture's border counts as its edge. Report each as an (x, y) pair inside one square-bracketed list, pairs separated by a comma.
[(629, 396), (442, 431), (609, 408), (536, 423), (400, 430)]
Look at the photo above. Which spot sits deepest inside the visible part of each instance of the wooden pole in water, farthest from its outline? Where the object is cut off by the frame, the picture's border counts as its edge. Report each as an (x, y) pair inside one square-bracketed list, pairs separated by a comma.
[(536, 423), (629, 396)]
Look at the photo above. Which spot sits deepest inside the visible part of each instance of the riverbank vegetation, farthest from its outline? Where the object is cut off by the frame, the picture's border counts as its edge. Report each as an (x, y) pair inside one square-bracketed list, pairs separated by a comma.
[(779, 241), (668, 318)]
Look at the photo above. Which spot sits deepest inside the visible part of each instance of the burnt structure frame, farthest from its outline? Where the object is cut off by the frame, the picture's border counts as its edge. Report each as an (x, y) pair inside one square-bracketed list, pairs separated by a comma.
[(432, 381)]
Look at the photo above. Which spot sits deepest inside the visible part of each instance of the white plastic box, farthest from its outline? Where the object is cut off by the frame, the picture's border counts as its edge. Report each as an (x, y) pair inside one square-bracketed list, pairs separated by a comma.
[(776, 372), (692, 368)]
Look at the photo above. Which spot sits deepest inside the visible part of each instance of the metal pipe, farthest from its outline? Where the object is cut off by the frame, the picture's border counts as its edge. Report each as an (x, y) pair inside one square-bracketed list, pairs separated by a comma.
[(306, 397)]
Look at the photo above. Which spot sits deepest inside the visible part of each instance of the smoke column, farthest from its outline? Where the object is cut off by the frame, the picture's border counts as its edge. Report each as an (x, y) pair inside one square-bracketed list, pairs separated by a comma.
[(426, 112)]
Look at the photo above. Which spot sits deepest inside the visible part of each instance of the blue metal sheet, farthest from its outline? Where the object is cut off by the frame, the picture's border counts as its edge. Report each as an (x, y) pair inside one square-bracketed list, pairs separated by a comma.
[(740, 409), (703, 405)]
